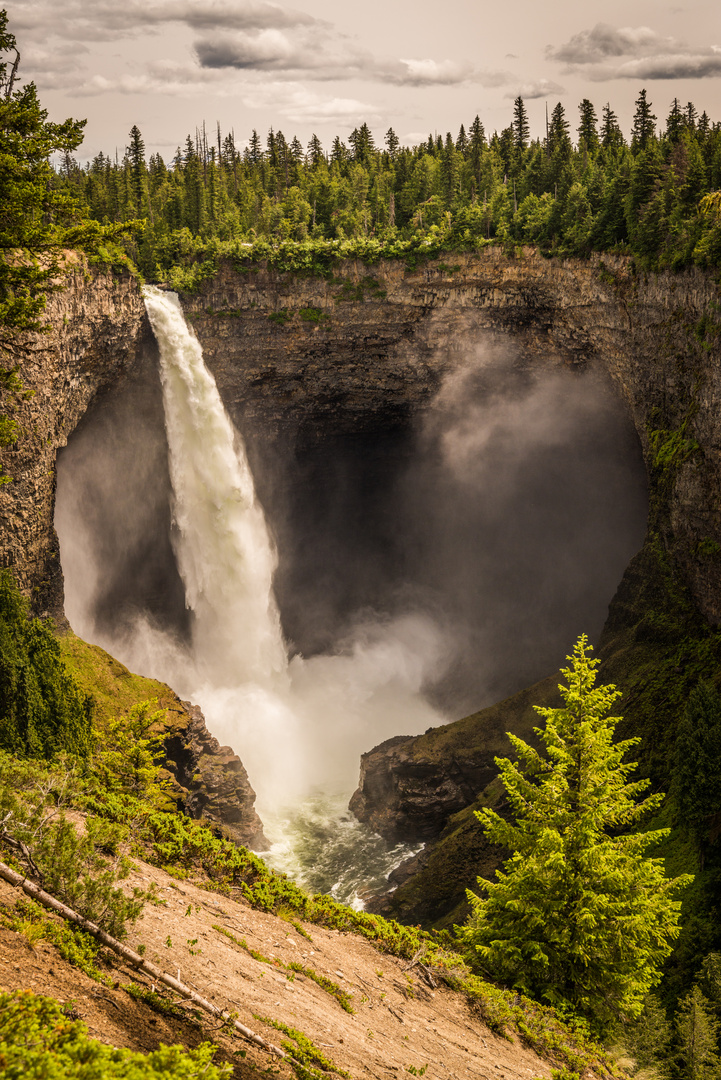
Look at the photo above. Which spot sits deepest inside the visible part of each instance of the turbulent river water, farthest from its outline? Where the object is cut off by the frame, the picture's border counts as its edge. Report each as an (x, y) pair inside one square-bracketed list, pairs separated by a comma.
[(299, 725)]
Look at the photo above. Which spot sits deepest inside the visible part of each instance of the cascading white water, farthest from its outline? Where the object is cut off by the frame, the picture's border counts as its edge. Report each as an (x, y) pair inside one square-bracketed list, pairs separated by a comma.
[(300, 726), (224, 553)]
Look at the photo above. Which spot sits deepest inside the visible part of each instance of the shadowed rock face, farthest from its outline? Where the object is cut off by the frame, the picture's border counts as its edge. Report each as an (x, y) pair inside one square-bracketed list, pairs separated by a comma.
[(299, 359), (371, 347)]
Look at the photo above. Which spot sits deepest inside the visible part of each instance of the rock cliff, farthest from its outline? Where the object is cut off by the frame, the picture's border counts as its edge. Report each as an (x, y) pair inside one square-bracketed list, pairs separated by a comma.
[(298, 357)]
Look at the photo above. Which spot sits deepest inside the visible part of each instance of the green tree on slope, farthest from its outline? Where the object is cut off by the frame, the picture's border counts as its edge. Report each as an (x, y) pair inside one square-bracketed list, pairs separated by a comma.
[(581, 917)]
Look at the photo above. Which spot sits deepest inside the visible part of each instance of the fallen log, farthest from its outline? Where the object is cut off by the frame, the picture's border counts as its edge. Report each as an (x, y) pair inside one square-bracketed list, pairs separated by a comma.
[(139, 962)]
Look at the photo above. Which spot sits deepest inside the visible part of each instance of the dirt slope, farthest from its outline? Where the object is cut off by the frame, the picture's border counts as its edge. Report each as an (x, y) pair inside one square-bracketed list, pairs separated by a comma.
[(399, 1022)]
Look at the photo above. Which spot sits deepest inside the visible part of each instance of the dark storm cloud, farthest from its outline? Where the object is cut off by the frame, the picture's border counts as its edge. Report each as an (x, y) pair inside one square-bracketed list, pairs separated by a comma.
[(605, 52)]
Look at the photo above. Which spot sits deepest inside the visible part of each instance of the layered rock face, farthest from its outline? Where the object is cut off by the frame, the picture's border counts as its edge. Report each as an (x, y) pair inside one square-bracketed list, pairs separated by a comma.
[(298, 357), (371, 345), (96, 330)]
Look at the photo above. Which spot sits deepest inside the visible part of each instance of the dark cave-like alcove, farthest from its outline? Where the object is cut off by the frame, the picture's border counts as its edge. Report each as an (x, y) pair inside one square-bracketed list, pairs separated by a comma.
[(506, 511)]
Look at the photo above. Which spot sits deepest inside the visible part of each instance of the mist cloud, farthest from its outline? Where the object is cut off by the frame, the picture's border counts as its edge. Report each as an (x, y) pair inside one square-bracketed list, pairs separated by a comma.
[(605, 52)]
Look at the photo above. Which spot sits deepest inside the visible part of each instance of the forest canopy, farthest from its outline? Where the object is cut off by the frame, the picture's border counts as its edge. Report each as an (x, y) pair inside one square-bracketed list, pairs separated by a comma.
[(582, 188)]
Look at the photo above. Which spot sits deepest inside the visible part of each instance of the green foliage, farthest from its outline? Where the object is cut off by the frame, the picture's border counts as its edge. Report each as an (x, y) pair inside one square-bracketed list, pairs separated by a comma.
[(648, 1038), (43, 712), (80, 869), (656, 198), (308, 1059), (33, 206), (157, 1002), (696, 1031), (697, 783), (671, 448), (74, 945), (39, 1041), (313, 315), (128, 756), (580, 917)]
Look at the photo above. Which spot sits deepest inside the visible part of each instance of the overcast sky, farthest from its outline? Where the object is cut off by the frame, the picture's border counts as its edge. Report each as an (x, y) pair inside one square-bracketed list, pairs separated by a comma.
[(325, 67)]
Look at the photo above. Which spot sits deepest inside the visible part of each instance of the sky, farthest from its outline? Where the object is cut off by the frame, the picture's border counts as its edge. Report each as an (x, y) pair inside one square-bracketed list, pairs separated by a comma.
[(324, 67)]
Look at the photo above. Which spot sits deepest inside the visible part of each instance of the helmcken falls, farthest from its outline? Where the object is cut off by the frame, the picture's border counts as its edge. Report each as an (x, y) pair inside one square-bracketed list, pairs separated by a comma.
[(300, 725), (466, 556)]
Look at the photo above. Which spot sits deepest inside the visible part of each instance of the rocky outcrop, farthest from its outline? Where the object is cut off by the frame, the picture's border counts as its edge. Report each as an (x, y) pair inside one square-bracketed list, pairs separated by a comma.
[(212, 784), (410, 787)]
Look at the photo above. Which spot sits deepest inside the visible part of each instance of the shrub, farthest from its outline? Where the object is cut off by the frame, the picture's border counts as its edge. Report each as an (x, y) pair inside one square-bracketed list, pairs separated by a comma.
[(40, 1041), (43, 711)]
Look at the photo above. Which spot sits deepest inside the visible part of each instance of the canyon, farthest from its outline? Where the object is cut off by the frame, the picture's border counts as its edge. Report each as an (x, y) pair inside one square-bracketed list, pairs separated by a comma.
[(301, 361)]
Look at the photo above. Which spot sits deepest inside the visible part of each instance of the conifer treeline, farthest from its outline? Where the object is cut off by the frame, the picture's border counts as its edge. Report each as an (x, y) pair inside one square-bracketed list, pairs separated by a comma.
[(656, 195)]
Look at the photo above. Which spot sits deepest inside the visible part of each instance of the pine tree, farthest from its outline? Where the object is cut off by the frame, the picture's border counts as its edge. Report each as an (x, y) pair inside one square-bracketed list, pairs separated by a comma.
[(587, 129), (32, 204), (675, 122), (558, 137), (315, 150), (580, 916), (462, 140), (649, 1038), (611, 134), (644, 127), (521, 127), (136, 157), (391, 141), (255, 148), (339, 151)]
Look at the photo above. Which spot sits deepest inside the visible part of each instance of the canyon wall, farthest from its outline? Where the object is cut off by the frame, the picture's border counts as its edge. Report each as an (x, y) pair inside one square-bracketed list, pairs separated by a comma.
[(371, 345), (297, 357)]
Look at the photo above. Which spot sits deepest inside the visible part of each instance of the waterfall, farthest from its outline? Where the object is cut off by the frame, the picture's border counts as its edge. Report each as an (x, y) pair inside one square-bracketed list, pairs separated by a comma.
[(224, 552), (297, 726)]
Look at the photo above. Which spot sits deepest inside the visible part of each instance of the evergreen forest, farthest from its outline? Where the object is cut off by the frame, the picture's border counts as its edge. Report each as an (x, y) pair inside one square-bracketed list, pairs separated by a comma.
[(584, 187)]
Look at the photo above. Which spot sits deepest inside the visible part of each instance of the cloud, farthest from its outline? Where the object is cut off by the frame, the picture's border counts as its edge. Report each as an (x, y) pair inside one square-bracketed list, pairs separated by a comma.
[(540, 88), (321, 54), (301, 105), (231, 36), (105, 20), (601, 42), (426, 72), (604, 53)]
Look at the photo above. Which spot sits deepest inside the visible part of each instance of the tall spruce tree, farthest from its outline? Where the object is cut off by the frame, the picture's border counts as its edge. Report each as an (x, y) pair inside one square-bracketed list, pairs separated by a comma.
[(611, 134), (644, 123), (136, 157), (580, 917), (521, 127), (587, 128)]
